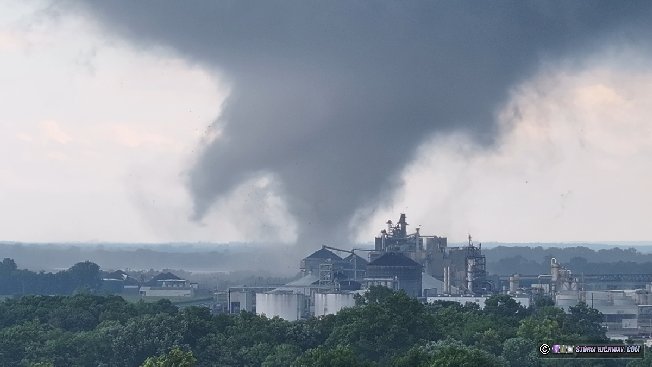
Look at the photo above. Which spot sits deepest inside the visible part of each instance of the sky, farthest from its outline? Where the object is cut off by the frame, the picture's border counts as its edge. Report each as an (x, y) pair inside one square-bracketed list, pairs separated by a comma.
[(286, 122)]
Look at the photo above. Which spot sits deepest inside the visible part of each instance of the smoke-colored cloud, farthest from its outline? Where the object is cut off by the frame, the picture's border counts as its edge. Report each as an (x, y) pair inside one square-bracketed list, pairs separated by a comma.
[(333, 99), (571, 164)]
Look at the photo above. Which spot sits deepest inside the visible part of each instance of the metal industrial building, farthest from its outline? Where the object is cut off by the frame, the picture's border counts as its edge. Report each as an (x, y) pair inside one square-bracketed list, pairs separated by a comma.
[(425, 267), (624, 299), (395, 271), (462, 268), (420, 265)]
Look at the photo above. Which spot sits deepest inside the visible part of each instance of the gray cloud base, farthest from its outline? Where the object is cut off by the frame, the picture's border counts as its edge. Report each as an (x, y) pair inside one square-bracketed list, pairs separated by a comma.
[(333, 97)]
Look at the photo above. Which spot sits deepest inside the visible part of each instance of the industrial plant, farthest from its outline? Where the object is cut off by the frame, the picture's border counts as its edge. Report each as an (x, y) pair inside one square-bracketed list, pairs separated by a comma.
[(426, 268), (625, 300), (423, 266)]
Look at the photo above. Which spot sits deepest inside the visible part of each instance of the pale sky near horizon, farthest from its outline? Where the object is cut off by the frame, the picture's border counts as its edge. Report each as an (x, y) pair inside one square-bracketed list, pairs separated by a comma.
[(97, 136)]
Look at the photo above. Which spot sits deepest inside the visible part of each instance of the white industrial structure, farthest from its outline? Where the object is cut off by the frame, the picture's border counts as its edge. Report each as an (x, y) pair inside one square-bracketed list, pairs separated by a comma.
[(330, 284), (286, 305), (168, 285), (332, 303), (627, 311)]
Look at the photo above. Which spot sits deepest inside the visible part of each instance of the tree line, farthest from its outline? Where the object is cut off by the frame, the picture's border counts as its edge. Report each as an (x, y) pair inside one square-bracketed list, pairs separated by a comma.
[(83, 276), (520, 265), (87, 277), (507, 260), (385, 328)]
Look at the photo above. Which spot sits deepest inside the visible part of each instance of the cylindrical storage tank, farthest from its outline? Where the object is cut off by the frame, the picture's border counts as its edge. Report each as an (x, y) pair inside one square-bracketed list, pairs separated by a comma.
[(397, 266), (566, 300), (514, 283), (642, 298), (288, 306), (470, 263), (332, 303), (554, 270)]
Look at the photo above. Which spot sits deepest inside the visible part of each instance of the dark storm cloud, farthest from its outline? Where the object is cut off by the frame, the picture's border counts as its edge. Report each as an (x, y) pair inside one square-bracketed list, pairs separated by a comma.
[(333, 97)]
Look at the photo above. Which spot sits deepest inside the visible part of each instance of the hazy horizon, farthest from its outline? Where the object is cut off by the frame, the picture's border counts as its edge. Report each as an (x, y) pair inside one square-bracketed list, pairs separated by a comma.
[(235, 245)]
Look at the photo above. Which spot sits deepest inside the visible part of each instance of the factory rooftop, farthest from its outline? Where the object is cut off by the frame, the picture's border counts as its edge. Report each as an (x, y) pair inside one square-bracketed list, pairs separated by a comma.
[(323, 254), (394, 259)]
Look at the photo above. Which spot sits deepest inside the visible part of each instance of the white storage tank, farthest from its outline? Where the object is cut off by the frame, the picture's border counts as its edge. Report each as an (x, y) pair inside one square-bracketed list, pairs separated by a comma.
[(565, 300), (642, 298), (288, 306), (514, 283), (332, 303)]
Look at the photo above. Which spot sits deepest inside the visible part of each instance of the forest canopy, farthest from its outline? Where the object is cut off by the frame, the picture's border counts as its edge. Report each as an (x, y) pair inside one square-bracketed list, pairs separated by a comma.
[(385, 328)]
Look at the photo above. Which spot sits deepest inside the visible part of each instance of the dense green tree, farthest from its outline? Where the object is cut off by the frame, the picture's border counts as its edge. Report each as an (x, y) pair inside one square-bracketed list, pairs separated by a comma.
[(539, 301), (199, 324), (176, 357), (490, 341), (375, 294), (81, 277), (216, 349), (545, 326), (283, 355), (85, 276), (254, 355), (449, 316), (645, 362), (21, 344), (385, 328), (585, 323), (339, 356), (520, 352), (449, 353), (503, 306), (7, 266), (146, 336)]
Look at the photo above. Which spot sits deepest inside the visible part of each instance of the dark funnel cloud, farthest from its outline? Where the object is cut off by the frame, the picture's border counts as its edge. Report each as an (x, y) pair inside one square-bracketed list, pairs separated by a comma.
[(332, 98)]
